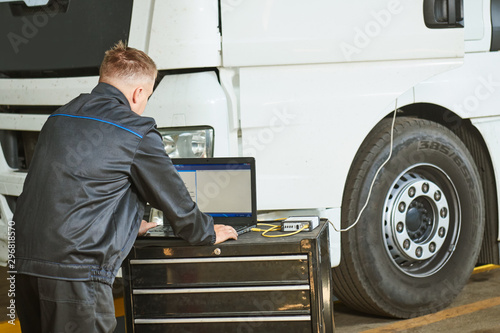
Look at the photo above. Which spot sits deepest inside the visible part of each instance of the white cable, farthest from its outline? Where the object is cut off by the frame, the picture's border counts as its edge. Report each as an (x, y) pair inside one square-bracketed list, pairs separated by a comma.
[(374, 177)]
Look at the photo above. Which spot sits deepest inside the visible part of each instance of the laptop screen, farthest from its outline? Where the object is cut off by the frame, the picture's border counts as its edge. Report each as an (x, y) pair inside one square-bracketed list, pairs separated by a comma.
[(222, 187)]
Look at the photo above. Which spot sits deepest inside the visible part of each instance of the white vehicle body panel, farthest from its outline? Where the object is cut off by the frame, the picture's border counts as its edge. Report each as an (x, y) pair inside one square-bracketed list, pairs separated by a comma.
[(471, 91), (477, 25), (25, 122), (177, 34), (185, 36), (261, 32), (44, 91), (192, 100)]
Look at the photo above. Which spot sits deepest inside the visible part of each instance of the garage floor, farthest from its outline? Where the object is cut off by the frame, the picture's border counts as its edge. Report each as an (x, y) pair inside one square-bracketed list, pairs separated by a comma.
[(477, 309)]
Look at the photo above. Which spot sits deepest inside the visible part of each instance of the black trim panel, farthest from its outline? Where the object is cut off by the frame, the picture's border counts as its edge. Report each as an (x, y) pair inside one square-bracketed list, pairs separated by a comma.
[(495, 25), (63, 38)]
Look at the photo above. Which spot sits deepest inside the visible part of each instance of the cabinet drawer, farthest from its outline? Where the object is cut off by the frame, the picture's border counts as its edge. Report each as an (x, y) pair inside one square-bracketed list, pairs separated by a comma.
[(231, 301), (216, 271), (292, 324)]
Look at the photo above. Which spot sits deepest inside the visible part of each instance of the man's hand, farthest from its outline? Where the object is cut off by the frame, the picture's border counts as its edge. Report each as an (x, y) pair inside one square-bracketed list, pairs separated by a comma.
[(224, 232), (145, 226)]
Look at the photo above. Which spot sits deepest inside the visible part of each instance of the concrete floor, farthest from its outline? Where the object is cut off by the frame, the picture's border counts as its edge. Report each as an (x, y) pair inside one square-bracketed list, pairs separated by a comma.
[(477, 309)]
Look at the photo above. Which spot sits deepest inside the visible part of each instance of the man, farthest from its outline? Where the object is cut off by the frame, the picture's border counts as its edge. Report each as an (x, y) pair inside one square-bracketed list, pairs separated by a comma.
[(96, 164)]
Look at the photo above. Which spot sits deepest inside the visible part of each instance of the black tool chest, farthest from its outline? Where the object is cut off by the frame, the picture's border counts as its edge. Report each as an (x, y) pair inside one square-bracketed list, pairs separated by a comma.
[(254, 284)]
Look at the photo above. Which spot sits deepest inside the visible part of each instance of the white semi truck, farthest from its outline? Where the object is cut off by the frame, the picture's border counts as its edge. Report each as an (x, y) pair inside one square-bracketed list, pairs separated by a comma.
[(309, 88)]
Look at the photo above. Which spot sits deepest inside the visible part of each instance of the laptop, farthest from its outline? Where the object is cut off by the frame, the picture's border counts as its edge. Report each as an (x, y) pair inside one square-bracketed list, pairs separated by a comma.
[(223, 187)]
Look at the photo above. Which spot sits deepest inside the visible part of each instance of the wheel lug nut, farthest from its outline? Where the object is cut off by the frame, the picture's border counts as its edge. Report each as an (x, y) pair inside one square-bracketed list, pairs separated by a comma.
[(406, 244), (418, 252), (402, 207), (425, 187), (437, 195), (443, 212), (441, 232), (400, 227), (411, 192), (432, 247)]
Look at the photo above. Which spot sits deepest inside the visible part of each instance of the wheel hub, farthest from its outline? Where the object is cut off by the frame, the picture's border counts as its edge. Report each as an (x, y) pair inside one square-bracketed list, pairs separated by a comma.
[(416, 219), (419, 219)]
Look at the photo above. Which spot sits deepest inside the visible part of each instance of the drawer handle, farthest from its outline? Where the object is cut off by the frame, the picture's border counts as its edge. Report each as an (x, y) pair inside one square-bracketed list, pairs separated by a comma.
[(219, 259), (304, 287), (221, 320)]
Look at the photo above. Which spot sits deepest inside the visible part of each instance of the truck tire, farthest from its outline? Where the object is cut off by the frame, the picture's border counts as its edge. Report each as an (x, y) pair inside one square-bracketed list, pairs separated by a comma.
[(419, 237)]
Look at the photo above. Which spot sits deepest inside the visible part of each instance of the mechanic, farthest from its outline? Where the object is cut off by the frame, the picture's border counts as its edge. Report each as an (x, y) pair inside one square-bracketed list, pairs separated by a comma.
[(97, 162)]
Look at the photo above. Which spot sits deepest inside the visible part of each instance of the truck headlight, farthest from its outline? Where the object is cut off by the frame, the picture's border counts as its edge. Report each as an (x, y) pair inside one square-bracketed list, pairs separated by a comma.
[(188, 142)]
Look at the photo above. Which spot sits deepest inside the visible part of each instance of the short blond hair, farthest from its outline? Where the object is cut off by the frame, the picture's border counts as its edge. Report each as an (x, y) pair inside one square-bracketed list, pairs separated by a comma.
[(126, 63)]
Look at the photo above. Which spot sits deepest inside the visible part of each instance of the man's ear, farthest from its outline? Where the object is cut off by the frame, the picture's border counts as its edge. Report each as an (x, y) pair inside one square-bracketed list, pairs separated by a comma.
[(137, 94)]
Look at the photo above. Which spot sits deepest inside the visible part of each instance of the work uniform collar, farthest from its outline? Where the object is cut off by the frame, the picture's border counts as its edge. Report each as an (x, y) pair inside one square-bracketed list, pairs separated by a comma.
[(109, 90)]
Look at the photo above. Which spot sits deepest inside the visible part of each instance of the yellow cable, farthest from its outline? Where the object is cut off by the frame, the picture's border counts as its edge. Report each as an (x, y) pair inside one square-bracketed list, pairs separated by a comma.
[(273, 228), (269, 225), (258, 230)]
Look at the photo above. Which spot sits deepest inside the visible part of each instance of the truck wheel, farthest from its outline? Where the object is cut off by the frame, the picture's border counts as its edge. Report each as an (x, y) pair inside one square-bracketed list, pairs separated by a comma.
[(418, 240)]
